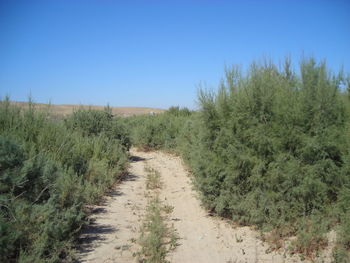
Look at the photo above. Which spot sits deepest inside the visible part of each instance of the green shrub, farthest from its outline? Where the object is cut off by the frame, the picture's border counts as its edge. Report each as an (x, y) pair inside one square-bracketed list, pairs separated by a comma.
[(157, 131), (270, 148), (49, 172), (92, 122)]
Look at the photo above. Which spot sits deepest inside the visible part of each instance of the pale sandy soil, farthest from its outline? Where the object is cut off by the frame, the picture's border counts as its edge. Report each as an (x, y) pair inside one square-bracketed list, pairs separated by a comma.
[(116, 224), (203, 238)]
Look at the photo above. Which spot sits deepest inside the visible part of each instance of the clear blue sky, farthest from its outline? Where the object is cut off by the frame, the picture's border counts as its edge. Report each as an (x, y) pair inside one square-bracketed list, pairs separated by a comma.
[(155, 53)]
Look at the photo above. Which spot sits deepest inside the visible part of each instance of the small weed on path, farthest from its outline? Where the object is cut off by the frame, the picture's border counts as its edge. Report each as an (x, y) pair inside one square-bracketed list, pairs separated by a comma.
[(153, 179), (157, 237)]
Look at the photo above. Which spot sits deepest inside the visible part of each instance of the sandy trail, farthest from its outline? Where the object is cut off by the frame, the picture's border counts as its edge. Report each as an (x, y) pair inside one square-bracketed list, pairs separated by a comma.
[(115, 225), (203, 239)]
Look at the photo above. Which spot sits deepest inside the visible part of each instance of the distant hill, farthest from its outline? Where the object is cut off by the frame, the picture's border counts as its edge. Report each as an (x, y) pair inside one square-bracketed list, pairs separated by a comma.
[(66, 109)]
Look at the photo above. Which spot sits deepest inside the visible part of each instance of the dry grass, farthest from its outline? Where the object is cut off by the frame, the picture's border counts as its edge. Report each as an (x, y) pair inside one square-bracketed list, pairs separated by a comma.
[(61, 110)]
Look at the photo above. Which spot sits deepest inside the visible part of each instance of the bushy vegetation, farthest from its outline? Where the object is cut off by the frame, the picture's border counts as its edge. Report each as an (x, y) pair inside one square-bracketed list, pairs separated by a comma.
[(274, 149), (49, 172), (157, 131), (269, 148), (90, 122)]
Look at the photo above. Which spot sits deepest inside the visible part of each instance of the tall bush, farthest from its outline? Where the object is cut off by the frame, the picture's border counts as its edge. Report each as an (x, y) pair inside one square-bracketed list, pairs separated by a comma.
[(272, 146)]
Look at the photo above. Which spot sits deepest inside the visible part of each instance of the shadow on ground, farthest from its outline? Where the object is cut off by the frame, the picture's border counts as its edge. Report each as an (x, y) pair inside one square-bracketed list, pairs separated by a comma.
[(92, 234), (135, 159)]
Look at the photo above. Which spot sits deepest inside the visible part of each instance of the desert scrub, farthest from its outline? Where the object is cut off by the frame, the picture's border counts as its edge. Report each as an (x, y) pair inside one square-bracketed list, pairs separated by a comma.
[(157, 237), (160, 131), (271, 148), (49, 172), (90, 122)]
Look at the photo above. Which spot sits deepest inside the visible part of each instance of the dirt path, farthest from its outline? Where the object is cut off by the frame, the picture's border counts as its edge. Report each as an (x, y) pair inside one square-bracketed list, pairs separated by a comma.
[(202, 238), (116, 223)]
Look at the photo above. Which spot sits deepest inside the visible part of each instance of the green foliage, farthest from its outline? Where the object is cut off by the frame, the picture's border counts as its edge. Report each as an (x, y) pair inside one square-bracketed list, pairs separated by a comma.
[(49, 171), (177, 111), (153, 179), (270, 148), (273, 147), (92, 122), (157, 236), (157, 131), (154, 235), (311, 235)]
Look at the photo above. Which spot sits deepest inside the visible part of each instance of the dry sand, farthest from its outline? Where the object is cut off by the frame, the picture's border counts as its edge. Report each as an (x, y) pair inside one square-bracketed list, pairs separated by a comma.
[(203, 238), (115, 225)]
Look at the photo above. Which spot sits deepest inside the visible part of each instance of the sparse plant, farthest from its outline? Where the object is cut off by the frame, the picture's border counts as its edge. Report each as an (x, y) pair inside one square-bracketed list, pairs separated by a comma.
[(239, 239), (157, 237), (168, 209), (153, 179)]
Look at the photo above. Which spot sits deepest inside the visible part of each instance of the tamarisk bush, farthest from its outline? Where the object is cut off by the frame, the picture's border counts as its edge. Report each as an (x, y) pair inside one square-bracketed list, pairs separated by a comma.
[(271, 148), (157, 131), (49, 172)]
